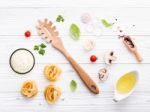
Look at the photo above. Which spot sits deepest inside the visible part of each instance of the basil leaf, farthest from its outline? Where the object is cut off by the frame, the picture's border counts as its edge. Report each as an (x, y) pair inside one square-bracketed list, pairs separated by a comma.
[(74, 32), (106, 23), (73, 85)]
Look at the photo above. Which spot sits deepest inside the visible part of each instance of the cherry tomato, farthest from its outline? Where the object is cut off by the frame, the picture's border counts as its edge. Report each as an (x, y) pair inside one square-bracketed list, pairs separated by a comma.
[(27, 34), (93, 58)]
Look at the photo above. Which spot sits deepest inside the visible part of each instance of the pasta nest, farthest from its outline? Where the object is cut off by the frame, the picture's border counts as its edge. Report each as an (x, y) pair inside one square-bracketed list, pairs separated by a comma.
[(29, 88), (52, 72), (52, 94)]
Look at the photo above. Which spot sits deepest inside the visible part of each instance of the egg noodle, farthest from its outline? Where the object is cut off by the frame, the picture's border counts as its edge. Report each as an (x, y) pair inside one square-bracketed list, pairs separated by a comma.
[(52, 72), (29, 88), (52, 94)]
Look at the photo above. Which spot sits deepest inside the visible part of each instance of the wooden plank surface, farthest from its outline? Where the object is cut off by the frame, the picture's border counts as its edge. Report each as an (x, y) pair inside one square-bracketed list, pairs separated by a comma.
[(17, 16)]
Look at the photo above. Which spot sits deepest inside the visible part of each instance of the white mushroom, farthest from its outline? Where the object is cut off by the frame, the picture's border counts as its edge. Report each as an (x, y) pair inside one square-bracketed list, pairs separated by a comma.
[(110, 57), (103, 74)]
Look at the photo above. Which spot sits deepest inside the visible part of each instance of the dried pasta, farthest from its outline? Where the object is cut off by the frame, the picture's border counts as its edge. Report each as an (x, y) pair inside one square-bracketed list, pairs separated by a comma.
[(52, 94), (29, 88), (52, 72)]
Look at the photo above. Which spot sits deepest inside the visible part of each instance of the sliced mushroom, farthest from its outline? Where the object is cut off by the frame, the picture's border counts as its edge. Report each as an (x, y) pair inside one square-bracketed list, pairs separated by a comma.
[(103, 74), (109, 58)]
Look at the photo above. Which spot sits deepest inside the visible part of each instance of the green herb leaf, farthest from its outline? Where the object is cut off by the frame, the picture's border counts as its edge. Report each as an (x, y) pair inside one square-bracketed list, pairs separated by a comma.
[(36, 47), (75, 32), (43, 45), (73, 85), (42, 51), (106, 23), (40, 48), (60, 18)]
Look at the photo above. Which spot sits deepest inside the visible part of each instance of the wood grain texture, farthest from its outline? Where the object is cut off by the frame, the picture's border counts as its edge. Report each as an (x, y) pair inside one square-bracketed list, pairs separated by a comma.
[(17, 16)]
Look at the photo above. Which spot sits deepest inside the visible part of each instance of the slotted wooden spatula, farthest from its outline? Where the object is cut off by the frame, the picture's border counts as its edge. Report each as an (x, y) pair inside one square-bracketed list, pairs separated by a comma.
[(48, 32)]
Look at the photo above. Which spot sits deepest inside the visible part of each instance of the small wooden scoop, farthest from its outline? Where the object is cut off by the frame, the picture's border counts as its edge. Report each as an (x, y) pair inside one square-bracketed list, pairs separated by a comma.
[(48, 32), (132, 47)]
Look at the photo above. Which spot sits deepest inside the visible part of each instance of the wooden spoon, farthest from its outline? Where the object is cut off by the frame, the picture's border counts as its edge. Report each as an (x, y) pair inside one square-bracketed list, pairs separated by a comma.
[(132, 47), (48, 32)]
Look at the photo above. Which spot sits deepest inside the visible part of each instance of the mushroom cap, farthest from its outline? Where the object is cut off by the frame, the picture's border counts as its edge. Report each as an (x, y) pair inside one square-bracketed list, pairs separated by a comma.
[(109, 58)]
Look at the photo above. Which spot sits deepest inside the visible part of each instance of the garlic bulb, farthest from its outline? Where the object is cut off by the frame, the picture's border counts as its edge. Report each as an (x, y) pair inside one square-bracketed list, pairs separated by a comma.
[(89, 44), (86, 18)]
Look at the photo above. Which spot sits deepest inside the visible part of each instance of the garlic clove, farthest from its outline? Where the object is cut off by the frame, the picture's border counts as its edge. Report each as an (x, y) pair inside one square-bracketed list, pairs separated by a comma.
[(89, 44)]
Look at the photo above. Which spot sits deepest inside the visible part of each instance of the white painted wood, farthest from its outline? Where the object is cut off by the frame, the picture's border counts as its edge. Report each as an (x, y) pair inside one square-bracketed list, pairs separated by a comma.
[(76, 49), (25, 17), (75, 3), (17, 16)]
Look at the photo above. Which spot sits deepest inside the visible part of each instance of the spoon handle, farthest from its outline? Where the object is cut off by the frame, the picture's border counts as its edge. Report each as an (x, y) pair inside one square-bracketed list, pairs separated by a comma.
[(84, 76), (138, 56)]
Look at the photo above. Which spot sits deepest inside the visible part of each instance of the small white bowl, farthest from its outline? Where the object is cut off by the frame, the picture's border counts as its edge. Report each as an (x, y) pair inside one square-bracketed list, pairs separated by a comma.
[(118, 96)]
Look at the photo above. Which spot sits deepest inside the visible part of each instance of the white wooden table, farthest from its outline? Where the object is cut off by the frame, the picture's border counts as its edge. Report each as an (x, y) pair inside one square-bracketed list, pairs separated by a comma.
[(17, 16)]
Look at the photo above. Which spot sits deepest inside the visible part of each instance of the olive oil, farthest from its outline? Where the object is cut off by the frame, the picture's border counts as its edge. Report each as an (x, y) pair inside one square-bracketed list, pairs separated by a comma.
[(126, 83)]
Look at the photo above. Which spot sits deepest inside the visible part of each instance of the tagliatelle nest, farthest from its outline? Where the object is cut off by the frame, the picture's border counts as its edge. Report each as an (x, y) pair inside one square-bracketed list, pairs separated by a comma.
[(29, 89), (52, 72), (52, 94)]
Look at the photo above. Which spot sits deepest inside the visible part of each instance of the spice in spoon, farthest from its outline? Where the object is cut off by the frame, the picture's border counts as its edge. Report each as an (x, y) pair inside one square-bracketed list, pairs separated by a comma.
[(127, 40)]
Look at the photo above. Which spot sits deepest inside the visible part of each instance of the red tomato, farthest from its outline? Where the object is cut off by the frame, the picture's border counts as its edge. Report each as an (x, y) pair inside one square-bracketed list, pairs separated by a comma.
[(93, 58), (27, 34)]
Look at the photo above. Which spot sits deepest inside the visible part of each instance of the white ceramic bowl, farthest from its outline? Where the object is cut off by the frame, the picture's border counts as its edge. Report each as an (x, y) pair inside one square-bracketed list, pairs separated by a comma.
[(118, 96)]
